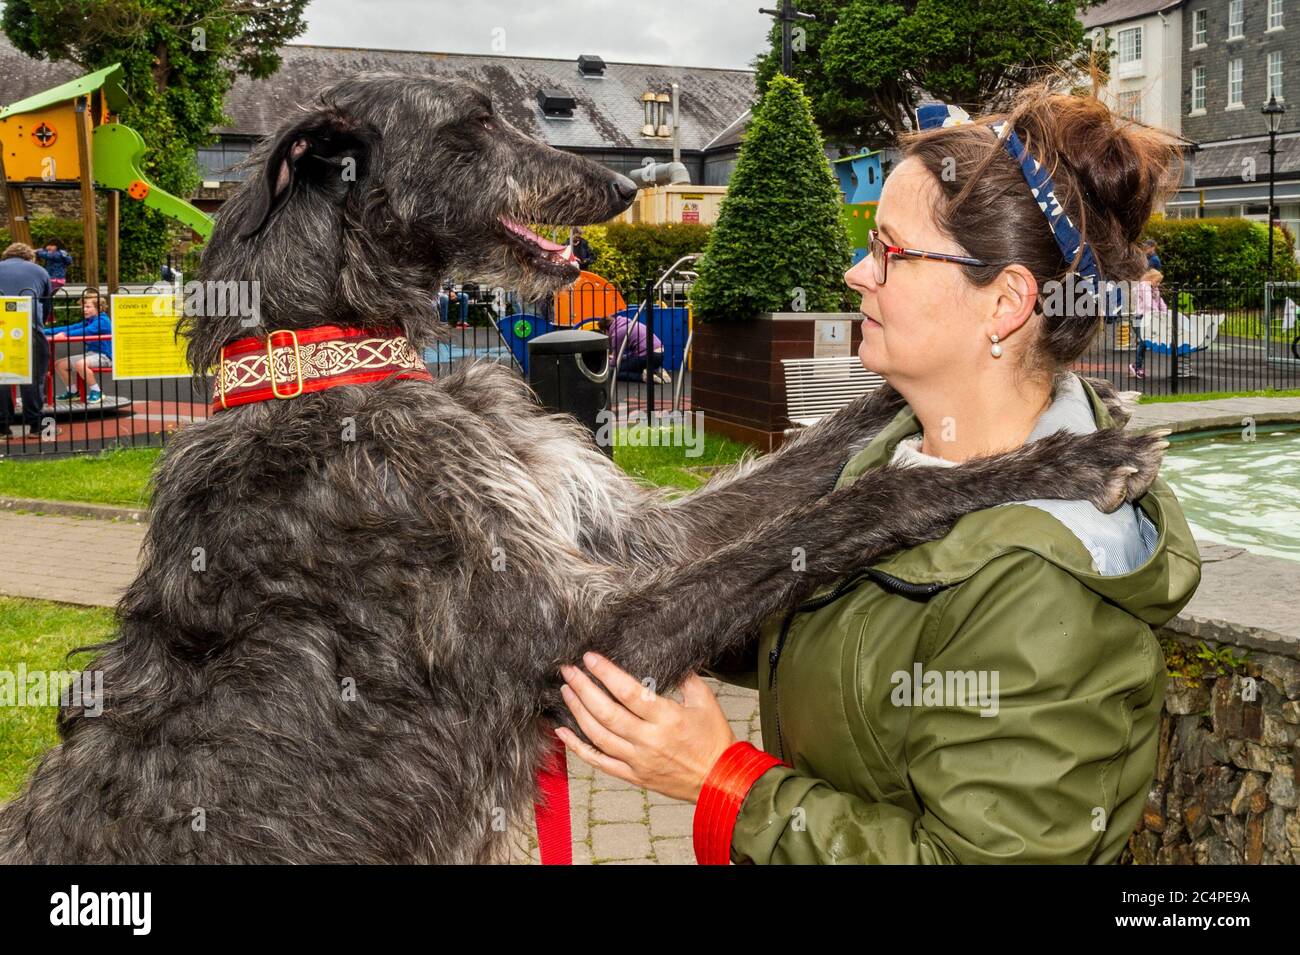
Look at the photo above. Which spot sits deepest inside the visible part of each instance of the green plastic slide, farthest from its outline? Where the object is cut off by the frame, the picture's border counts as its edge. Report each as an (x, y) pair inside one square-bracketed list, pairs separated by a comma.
[(117, 152)]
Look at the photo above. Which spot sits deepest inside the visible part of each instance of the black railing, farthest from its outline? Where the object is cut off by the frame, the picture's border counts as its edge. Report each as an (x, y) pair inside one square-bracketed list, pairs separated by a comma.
[(70, 417), (1211, 339)]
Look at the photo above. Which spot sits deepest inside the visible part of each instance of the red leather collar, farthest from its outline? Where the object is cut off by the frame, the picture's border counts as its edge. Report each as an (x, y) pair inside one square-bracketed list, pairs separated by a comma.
[(292, 362)]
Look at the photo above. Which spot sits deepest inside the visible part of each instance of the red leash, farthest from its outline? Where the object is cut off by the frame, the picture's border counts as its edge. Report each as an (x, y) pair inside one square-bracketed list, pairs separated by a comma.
[(554, 835)]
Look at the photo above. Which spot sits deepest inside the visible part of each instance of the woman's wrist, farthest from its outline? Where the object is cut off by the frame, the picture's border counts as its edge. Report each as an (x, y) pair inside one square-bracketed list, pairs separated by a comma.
[(721, 796)]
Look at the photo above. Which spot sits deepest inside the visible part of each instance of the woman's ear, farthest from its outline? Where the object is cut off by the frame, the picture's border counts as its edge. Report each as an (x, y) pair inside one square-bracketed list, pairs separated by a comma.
[(1017, 297), (324, 149)]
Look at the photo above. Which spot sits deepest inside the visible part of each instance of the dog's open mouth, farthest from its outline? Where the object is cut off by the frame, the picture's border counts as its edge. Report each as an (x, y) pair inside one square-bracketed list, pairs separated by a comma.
[(545, 255)]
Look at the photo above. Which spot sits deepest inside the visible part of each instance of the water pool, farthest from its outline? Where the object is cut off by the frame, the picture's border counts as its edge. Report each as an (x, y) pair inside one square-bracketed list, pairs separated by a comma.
[(1240, 492)]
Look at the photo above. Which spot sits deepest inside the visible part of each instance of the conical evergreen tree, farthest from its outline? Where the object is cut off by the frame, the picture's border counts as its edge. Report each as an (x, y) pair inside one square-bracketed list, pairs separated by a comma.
[(779, 228)]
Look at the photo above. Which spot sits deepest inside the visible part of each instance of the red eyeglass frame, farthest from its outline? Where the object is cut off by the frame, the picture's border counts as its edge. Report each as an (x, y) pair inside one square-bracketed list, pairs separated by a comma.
[(874, 239)]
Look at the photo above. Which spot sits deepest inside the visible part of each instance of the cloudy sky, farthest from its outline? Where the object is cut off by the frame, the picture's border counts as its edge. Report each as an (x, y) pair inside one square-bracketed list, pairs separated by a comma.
[(726, 33)]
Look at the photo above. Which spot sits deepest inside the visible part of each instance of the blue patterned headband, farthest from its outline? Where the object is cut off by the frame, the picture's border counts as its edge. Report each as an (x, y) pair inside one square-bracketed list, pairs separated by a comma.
[(1067, 236)]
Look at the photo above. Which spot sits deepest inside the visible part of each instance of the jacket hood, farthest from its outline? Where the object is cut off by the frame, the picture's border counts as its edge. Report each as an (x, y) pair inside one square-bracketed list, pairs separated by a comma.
[(1153, 590)]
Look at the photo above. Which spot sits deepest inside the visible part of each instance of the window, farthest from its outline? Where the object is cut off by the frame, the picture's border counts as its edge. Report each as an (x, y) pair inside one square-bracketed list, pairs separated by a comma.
[(1236, 19), (1234, 82), (1274, 14), (1130, 45), (1198, 89), (1130, 105), (1198, 27), (1274, 75), (219, 161)]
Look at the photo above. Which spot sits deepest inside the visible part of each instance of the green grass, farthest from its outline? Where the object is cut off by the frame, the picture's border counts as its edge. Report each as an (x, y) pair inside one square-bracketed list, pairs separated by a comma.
[(111, 477), (670, 464), (39, 634), (1220, 395), (1252, 326)]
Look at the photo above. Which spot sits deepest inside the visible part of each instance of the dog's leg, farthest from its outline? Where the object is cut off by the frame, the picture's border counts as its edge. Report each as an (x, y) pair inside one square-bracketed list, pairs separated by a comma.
[(802, 470), (673, 621)]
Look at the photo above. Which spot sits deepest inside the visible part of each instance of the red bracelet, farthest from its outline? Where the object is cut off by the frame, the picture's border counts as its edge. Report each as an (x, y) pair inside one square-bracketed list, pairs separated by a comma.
[(721, 796)]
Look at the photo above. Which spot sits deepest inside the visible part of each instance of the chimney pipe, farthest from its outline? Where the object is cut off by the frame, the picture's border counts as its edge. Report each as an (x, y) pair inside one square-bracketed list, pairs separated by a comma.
[(677, 140)]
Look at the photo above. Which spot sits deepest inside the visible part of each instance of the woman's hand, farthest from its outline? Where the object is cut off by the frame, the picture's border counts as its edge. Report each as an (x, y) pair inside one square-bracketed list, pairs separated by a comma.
[(643, 738)]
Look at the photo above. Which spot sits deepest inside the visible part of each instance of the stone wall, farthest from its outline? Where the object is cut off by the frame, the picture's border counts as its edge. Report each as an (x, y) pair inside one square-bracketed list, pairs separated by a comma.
[(1228, 766)]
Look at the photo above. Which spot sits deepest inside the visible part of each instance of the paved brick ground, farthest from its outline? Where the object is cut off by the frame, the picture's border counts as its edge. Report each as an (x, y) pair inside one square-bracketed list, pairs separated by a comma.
[(77, 560)]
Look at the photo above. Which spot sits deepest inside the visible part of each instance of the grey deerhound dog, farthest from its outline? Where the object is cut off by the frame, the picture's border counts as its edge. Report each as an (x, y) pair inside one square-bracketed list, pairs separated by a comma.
[(364, 666)]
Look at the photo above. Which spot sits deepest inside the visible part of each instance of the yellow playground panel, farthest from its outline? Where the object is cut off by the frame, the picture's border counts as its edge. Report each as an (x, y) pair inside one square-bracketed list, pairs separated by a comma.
[(68, 135)]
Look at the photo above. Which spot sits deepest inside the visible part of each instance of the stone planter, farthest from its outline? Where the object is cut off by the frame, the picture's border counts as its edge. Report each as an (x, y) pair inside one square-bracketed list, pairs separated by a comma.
[(737, 380)]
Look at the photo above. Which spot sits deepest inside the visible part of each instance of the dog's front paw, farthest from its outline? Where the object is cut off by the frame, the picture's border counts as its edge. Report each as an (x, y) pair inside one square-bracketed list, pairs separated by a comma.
[(1129, 468)]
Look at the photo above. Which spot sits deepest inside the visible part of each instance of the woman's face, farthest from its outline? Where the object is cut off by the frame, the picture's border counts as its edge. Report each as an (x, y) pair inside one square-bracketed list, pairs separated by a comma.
[(923, 321)]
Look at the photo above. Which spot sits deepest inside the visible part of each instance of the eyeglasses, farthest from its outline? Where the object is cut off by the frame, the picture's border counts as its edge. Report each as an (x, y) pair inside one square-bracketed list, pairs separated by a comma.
[(881, 251)]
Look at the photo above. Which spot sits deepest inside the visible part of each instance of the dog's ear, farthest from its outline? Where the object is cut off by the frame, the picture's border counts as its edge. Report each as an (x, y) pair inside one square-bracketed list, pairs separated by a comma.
[(325, 150)]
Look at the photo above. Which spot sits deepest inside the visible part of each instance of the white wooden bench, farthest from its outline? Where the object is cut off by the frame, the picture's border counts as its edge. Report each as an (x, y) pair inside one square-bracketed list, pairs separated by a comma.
[(816, 387)]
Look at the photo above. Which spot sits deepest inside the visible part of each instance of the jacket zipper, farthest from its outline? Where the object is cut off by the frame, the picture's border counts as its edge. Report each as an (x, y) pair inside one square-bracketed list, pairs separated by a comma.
[(887, 582)]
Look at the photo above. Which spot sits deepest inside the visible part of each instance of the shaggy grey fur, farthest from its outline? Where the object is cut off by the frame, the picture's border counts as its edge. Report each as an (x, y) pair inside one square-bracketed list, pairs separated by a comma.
[(363, 665)]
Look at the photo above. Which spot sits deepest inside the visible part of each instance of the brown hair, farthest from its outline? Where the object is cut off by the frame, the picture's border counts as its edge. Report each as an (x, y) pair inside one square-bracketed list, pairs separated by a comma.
[(19, 250), (1110, 173)]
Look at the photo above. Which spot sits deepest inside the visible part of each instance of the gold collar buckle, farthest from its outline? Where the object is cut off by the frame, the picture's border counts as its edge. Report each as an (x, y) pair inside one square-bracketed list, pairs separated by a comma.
[(270, 361)]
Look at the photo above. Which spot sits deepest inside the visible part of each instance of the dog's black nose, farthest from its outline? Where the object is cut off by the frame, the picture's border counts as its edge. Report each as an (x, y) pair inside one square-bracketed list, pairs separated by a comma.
[(624, 188)]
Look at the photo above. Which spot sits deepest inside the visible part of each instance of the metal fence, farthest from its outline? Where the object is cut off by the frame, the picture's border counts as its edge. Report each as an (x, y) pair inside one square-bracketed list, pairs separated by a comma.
[(1212, 339), (646, 384), (60, 415)]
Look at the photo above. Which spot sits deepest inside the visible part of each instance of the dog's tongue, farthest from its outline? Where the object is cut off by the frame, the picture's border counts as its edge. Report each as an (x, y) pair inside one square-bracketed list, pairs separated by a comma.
[(546, 245)]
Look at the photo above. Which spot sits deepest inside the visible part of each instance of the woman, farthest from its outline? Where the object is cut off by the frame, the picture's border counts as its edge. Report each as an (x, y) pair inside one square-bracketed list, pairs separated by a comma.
[(992, 696), (98, 355)]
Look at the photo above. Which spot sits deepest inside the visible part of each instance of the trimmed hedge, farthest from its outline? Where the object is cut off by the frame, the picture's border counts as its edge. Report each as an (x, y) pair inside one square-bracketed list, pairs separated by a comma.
[(780, 243), (1222, 253), (647, 250)]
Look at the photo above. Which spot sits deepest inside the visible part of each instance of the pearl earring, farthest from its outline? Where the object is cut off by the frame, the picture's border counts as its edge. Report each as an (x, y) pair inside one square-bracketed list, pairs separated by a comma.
[(996, 349)]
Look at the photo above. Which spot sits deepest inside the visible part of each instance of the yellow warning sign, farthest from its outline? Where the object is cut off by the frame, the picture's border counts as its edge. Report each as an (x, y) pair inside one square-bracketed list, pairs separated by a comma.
[(15, 340), (145, 342)]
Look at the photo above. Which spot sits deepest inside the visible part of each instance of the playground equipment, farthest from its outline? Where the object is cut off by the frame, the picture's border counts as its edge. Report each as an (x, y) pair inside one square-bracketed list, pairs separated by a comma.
[(68, 137), (672, 328), (590, 297), (1279, 329), (1196, 331), (679, 318), (860, 178)]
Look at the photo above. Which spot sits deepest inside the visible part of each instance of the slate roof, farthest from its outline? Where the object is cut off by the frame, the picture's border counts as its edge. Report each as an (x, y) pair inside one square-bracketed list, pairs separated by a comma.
[(609, 112), (1117, 11)]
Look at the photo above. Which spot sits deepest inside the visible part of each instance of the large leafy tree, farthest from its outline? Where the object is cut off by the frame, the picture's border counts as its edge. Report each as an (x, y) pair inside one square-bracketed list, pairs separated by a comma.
[(180, 58), (866, 62), (779, 244)]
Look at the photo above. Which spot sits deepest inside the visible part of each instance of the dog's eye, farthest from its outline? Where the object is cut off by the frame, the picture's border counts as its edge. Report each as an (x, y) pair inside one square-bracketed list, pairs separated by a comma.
[(486, 122)]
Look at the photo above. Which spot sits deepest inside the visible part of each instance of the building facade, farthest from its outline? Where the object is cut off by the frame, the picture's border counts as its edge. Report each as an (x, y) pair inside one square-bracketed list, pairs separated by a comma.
[(1205, 69)]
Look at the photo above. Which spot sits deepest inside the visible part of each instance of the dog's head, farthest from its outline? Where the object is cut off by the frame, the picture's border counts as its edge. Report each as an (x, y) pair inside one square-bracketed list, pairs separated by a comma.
[(366, 201)]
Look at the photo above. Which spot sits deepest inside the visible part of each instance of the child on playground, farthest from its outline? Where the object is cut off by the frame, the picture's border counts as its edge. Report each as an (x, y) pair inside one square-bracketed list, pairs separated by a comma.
[(1147, 302), (98, 354), (56, 261)]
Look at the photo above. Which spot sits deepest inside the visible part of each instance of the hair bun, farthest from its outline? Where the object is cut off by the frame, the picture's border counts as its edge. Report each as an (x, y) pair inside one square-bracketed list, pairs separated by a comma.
[(1113, 171)]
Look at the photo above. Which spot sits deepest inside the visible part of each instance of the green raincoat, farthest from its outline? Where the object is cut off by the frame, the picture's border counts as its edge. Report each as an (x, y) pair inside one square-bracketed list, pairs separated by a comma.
[(986, 697)]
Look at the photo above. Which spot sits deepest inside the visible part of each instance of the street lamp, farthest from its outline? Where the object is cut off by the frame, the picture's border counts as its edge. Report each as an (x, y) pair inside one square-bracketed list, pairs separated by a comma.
[(1272, 111), (787, 16)]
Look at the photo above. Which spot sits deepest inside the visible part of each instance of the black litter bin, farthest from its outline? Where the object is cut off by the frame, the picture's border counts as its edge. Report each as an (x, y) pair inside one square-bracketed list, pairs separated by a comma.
[(569, 371)]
